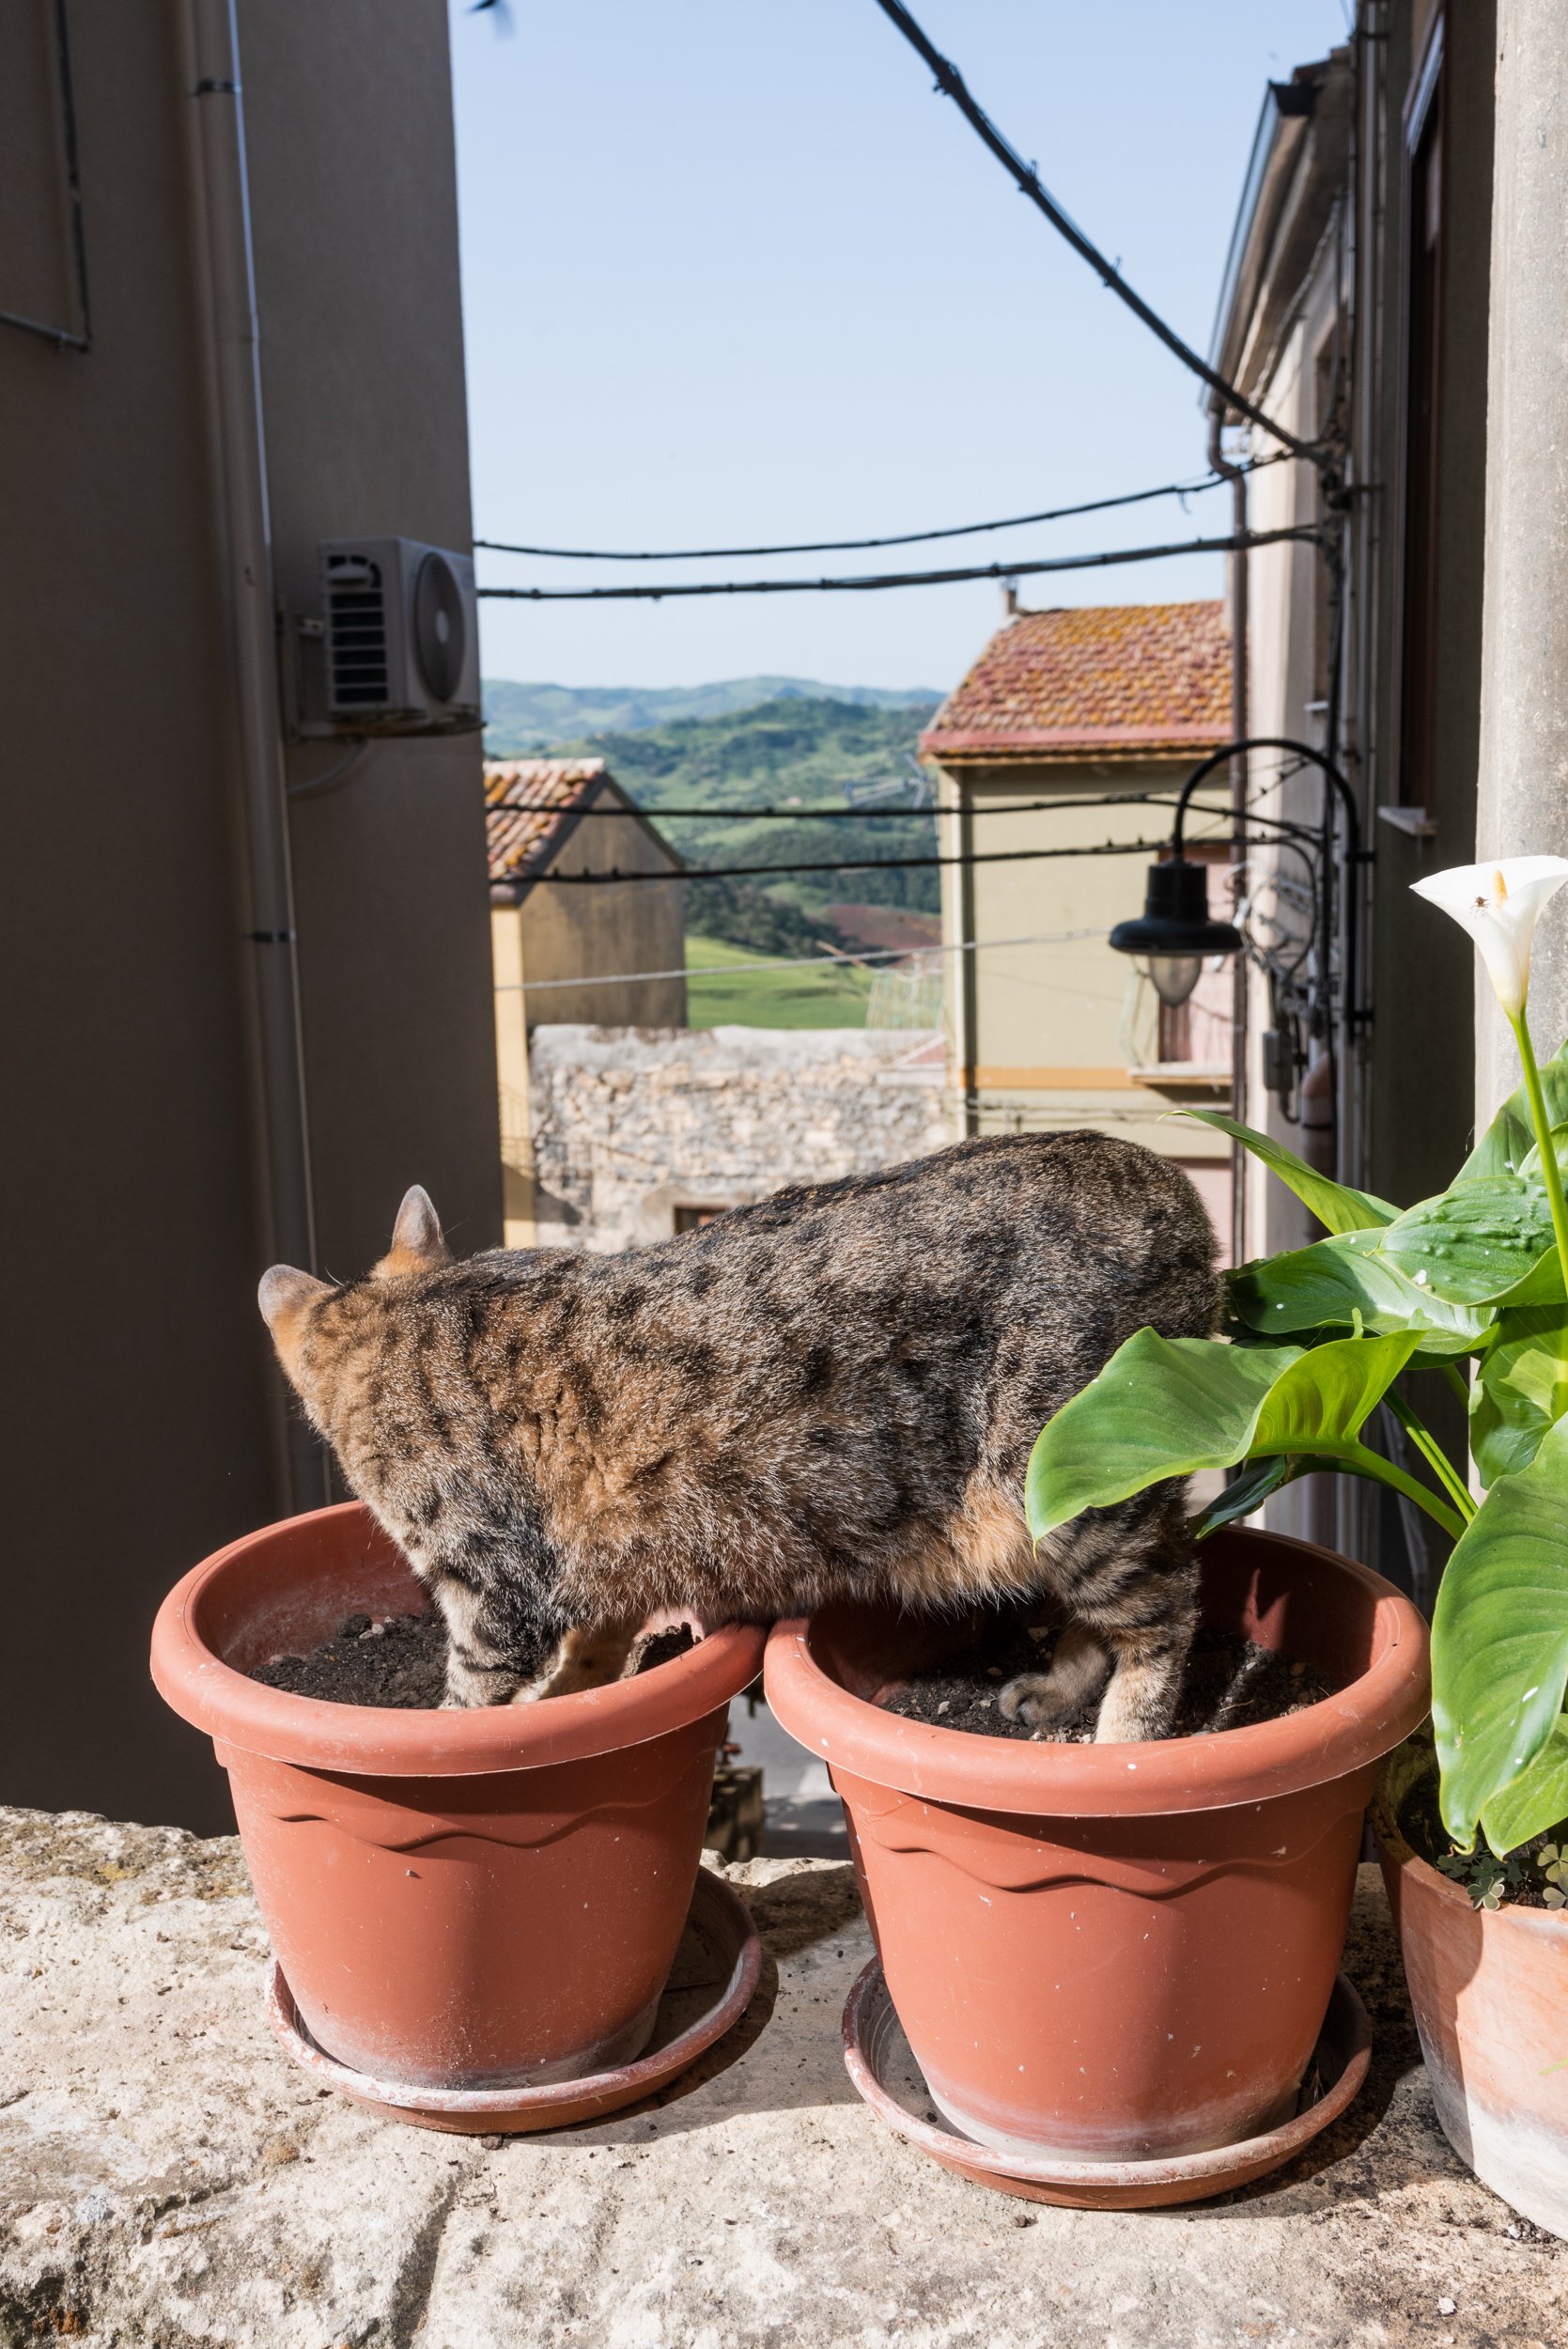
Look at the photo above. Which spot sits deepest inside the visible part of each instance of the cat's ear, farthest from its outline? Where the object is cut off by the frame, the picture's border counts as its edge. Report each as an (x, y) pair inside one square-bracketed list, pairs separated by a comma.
[(282, 1291), (283, 1296), (418, 1243)]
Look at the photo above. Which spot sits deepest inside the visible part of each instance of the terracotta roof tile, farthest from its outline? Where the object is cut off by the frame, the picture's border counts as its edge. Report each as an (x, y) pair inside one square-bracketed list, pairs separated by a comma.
[(527, 801), (1113, 681), (531, 805)]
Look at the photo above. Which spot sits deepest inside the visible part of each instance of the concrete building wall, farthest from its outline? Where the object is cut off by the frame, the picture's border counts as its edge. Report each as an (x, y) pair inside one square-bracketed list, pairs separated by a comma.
[(1285, 699), (1412, 1110), (1417, 1104), (138, 1422), (594, 931), (1047, 1023), (1421, 1046), (353, 192)]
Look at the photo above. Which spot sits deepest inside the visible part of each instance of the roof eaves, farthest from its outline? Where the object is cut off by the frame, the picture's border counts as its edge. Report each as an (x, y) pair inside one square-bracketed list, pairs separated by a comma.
[(1282, 121), (949, 745), (1293, 211)]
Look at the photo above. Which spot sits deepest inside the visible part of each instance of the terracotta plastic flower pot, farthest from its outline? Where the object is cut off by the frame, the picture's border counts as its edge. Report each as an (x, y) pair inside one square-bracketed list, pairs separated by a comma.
[(1490, 1993), (1123, 1951), (457, 1899)]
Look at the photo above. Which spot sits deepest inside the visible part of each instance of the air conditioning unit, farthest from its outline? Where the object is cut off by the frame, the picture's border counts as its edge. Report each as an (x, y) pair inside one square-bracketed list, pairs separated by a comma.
[(401, 637)]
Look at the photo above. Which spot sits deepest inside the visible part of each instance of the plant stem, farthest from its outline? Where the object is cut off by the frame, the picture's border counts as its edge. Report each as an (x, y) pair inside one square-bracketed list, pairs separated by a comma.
[(1432, 1454), (1371, 1464), (1550, 1173), (1457, 1383)]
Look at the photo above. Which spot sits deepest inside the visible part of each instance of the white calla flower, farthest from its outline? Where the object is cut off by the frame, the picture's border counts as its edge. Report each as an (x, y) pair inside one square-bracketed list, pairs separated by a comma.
[(1500, 904)]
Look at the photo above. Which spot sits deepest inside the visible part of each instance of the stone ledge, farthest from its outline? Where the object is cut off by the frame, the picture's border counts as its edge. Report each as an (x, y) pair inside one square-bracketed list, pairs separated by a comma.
[(167, 2177)]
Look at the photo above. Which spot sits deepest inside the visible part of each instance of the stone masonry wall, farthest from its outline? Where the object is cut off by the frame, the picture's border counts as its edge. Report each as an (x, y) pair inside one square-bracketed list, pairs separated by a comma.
[(631, 1124)]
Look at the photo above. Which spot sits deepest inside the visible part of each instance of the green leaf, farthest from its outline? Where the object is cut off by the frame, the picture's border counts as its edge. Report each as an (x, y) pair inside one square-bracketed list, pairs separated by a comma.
[(1533, 1801), (1246, 1493), (1510, 1137), (1521, 1389), (1165, 1407), (1161, 1407), (1340, 1209), (1531, 1163), (1326, 1285), (1483, 1243), (1320, 1403), (1499, 1637)]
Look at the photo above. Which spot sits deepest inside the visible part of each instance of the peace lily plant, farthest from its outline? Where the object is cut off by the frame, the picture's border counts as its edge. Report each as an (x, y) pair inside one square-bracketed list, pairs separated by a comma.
[(1316, 1338)]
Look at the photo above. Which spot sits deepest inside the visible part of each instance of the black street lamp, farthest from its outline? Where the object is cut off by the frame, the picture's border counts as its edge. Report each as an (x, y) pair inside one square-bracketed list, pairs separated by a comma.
[(1174, 931)]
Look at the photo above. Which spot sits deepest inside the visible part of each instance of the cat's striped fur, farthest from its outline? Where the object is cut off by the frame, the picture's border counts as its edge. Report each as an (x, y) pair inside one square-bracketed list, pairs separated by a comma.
[(833, 1393)]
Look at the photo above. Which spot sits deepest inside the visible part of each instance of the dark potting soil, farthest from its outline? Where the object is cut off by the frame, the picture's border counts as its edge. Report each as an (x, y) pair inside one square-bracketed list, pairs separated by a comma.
[(1230, 1684), (402, 1661), (1519, 1881)]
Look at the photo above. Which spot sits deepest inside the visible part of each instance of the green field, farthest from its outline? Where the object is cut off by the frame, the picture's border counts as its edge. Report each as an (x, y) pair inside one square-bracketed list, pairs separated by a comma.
[(719, 996)]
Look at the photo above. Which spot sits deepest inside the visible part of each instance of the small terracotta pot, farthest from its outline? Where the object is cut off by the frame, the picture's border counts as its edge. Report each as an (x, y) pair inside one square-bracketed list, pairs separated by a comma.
[(1490, 1993), (457, 1899), (1115, 1953)]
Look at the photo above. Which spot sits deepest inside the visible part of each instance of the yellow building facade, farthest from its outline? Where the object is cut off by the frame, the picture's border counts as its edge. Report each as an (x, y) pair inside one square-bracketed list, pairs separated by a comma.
[(1072, 735)]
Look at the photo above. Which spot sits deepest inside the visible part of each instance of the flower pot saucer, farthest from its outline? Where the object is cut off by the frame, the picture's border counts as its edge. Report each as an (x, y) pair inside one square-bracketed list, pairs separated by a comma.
[(886, 2075), (715, 1973)]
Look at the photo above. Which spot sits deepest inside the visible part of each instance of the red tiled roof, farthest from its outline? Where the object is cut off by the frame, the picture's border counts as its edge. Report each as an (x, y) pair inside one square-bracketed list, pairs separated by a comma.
[(527, 801), (532, 805), (1113, 681)]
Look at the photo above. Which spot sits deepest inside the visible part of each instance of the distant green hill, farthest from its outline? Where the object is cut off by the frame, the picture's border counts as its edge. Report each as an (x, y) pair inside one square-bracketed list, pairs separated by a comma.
[(521, 719), (785, 751)]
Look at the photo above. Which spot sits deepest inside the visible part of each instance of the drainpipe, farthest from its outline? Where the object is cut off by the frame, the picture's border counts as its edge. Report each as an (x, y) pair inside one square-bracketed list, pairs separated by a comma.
[(1236, 582), (227, 280)]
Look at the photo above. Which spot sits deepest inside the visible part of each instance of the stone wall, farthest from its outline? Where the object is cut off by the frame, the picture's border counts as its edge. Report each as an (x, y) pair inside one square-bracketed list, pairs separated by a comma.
[(634, 1125)]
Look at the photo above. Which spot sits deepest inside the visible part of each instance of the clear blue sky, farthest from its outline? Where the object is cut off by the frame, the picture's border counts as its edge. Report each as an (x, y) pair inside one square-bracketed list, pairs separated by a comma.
[(731, 272)]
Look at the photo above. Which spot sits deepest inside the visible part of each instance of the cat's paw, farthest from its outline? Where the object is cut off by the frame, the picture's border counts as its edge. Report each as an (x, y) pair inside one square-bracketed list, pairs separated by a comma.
[(1077, 1672), (1034, 1698)]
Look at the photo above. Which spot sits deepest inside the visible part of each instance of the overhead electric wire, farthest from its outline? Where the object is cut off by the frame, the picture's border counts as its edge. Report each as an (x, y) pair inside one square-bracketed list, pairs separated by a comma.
[(901, 538), (1033, 569), (777, 814), (847, 864), (1163, 797), (802, 962), (1289, 835), (952, 85)]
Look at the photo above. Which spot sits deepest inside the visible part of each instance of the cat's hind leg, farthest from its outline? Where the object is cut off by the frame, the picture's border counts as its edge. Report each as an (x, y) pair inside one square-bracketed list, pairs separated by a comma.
[(1129, 1583), (1148, 1622), (1078, 1671), (585, 1659), (1146, 1684), (502, 1643)]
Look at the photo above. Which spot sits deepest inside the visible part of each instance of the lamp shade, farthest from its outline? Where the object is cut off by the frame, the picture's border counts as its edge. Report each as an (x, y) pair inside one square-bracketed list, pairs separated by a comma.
[(1175, 924)]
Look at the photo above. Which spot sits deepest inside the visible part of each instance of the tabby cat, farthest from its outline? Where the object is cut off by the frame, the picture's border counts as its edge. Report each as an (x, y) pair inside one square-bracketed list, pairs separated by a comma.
[(829, 1394)]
